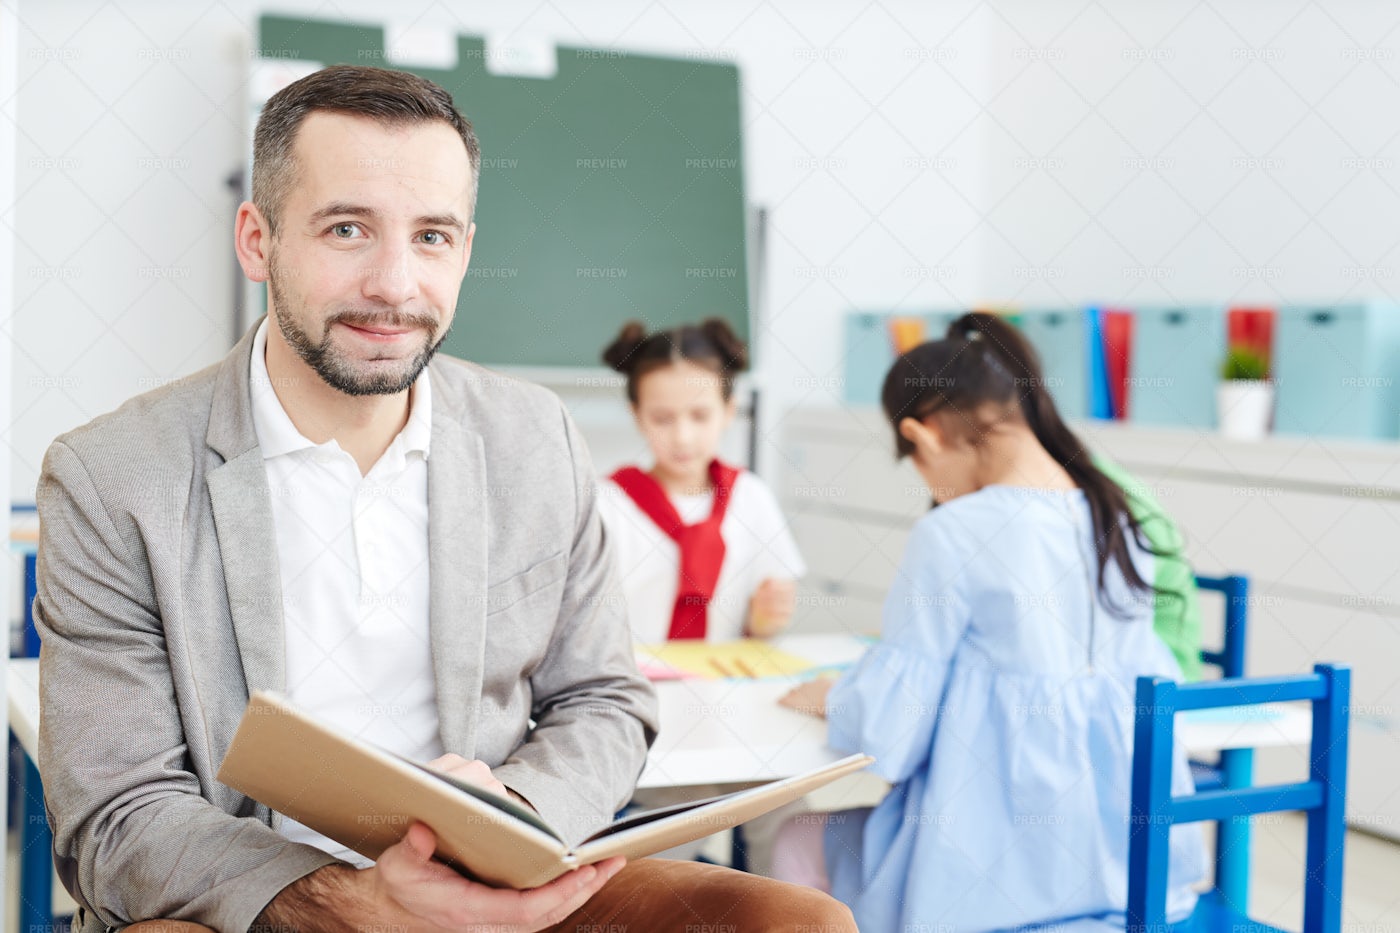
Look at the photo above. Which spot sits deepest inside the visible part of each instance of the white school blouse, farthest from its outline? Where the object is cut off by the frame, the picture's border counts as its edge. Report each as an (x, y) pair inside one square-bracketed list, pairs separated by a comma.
[(757, 545)]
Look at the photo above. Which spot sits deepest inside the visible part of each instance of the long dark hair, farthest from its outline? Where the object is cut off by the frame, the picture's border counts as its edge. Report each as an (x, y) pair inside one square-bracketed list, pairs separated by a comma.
[(984, 361), (712, 344)]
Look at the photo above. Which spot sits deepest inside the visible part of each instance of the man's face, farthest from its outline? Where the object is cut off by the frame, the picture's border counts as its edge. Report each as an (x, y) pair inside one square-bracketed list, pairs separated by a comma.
[(374, 240)]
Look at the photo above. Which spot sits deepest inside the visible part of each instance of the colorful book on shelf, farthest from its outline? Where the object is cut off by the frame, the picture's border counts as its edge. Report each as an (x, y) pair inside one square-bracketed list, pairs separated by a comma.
[(906, 332), (1100, 399), (366, 798), (1117, 352)]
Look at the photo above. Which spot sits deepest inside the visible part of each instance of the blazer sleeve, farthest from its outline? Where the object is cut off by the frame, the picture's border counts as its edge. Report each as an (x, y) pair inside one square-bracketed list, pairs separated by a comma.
[(134, 838), (595, 715)]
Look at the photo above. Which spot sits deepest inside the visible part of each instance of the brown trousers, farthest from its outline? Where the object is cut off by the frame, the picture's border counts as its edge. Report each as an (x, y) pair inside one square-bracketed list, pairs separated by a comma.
[(664, 896)]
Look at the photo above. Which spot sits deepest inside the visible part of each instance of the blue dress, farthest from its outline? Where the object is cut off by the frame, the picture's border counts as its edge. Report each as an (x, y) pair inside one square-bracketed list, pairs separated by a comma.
[(999, 703)]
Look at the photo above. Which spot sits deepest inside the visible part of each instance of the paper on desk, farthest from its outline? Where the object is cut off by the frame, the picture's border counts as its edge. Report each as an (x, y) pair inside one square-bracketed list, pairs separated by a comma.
[(658, 671), (749, 658)]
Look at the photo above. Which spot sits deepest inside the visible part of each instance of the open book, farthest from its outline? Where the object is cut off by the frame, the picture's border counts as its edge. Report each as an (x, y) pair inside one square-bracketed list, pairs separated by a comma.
[(366, 798)]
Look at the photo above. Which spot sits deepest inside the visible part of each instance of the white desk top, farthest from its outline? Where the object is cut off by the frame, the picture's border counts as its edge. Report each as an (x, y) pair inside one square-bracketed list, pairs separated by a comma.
[(22, 685), (734, 731)]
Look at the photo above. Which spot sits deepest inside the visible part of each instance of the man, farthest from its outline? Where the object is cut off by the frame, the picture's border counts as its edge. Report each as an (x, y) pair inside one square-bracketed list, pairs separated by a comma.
[(409, 550)]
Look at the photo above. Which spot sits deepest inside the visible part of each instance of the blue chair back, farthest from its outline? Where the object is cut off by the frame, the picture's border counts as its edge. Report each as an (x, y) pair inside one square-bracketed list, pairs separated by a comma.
[(1322, 796), (1235, 588)]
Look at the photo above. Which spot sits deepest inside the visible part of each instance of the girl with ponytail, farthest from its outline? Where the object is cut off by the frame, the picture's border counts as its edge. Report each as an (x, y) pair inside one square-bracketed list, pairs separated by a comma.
[(701, 546), (999, 701)]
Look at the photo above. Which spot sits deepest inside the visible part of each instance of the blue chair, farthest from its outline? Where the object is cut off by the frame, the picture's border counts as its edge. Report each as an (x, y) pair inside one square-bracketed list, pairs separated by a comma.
[(1230, 658), (1154, 809), (1235, 766), (25, 788)]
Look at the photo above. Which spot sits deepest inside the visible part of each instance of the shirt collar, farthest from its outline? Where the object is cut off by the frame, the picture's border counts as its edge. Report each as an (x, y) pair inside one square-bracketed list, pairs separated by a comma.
[(417, 433), (277, 435)]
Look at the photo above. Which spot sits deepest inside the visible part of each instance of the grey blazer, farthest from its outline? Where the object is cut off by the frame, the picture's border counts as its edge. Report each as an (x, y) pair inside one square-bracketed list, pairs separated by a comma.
[(160, 611)]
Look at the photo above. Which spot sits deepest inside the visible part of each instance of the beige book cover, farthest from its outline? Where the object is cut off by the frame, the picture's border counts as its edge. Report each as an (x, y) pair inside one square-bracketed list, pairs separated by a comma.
[(366, 798)]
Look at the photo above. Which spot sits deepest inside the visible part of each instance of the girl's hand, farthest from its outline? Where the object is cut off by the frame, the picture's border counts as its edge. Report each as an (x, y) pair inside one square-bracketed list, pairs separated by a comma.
[(809, 698), (770, 609)]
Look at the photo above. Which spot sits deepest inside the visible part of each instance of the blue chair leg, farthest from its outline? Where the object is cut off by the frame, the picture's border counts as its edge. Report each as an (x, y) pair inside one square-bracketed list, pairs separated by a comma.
[(1322, 897), (31, 590), (738, 850), (14, 788), (36, 855), (1232, 841)]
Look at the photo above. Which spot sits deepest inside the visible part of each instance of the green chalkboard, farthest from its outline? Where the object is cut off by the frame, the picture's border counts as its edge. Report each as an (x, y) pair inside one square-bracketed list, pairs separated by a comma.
[(613, 190)]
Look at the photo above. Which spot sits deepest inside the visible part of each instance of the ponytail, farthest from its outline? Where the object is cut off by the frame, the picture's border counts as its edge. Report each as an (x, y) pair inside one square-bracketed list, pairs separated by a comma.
[(984, 359)]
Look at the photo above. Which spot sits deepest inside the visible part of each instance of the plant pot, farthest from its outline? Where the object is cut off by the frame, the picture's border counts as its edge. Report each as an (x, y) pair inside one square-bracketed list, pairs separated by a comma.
[(1245, 408)]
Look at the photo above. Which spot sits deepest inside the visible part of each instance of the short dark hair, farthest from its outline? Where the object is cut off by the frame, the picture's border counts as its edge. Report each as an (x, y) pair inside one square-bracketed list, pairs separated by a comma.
[(393, 98)]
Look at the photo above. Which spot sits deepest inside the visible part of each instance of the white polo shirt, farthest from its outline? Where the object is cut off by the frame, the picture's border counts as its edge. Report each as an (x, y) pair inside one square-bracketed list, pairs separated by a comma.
[(353, 555)]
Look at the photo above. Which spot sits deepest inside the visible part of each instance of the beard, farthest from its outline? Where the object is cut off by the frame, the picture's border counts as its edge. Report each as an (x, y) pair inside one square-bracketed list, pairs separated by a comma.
[(354, 377)]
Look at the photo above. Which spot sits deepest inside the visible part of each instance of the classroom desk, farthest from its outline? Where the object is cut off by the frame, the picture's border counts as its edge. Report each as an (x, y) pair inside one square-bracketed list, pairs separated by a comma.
[(733, 731), (22, 685)]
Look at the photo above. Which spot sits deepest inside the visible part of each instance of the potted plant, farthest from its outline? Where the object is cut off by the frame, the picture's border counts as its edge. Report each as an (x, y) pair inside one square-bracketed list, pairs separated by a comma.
[(1245, 399)]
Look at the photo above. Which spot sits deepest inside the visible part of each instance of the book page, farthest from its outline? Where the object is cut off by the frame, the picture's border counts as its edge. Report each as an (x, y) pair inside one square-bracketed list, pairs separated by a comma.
[(643, 836), (643, 817), (523, 814)]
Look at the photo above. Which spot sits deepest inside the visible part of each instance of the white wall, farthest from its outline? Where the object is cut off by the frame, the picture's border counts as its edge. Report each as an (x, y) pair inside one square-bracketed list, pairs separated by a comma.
[(1176, 152), (862, 133), (1023, 152), (130, 120), (9, 84)]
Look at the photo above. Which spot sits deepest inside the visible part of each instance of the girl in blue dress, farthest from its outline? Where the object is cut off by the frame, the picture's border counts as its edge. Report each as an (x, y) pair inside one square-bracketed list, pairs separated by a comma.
[(999, 700)]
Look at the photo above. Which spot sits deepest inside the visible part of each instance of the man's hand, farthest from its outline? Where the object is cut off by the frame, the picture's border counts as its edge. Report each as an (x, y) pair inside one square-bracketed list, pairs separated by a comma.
[(473, 772), (771, 607), (409, 891), (437, 898), (476, 772)]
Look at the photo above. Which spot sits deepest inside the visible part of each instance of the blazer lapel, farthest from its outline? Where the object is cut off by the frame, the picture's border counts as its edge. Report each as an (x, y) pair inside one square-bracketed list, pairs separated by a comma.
[(242, 506), (457, 555), (247, 542)]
